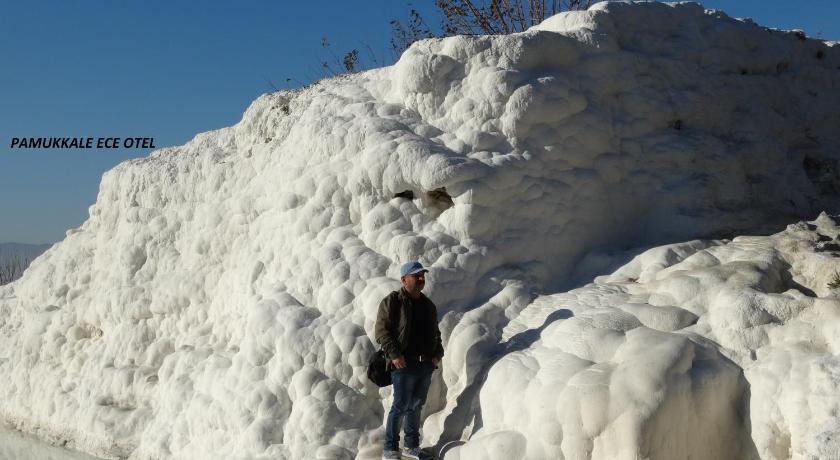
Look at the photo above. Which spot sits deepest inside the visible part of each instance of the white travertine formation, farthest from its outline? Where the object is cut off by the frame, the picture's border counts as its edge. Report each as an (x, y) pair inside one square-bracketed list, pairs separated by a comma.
[(220, 300)]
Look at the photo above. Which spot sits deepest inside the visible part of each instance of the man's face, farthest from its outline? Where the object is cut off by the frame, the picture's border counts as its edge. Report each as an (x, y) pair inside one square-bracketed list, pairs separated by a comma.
[(414, 282)]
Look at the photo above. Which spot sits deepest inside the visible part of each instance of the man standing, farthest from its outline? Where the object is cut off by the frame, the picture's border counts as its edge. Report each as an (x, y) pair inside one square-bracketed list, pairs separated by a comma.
[(407, 330)]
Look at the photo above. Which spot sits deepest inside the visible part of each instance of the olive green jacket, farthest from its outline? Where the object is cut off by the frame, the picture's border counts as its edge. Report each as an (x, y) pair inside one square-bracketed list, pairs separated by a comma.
[(393, 325)]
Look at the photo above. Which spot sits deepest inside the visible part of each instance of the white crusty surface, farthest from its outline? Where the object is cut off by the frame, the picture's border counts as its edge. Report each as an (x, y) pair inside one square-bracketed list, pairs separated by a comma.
[(718, 348), (219, 302)]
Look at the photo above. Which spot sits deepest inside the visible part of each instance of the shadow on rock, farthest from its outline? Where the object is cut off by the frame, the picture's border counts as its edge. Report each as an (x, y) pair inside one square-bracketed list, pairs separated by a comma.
[(467, 410)]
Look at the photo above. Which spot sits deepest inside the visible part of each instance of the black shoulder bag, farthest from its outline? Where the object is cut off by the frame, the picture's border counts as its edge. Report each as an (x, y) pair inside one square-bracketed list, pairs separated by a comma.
[(378, 372)]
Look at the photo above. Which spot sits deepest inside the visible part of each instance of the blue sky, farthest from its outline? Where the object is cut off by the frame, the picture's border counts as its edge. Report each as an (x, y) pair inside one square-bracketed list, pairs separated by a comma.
[(172, 69)]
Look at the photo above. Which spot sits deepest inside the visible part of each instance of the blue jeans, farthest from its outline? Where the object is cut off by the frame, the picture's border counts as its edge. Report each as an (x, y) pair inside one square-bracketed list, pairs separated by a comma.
[(410, 387)]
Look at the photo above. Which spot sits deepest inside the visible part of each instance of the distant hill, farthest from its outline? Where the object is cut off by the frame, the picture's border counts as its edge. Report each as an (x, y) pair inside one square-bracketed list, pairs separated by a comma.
[(28, 250), (15, 257)]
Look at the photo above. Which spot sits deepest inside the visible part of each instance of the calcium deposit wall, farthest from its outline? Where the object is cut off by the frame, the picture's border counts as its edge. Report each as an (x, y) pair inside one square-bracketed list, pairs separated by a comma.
[(219, 300)]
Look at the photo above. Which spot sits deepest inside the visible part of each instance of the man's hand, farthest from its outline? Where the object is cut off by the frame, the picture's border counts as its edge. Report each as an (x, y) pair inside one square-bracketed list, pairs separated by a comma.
[(436, 362), (398, 363)]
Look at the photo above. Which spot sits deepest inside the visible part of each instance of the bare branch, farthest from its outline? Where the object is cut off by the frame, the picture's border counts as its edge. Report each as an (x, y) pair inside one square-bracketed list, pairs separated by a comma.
[(12, 267)]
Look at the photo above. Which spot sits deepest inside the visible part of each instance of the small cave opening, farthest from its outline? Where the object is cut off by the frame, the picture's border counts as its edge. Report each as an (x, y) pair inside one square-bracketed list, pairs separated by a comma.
[(435, 201), (439, 198)]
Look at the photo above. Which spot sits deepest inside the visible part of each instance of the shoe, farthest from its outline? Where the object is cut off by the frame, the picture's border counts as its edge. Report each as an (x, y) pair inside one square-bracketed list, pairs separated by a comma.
[(416, 453), (391, 455)]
